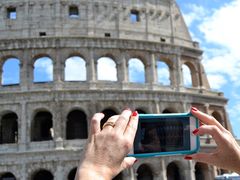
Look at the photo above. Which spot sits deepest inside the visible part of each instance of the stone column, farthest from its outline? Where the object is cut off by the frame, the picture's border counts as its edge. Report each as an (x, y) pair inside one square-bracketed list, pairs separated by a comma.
[(188, 171), (122, 70), (176, 73), (160, 171), (91, 71), (25, 80), (23, 128)]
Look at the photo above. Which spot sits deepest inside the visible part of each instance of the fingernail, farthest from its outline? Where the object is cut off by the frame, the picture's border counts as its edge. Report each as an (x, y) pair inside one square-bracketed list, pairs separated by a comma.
[(188, 157), (135, 161), (195, 131), (135, 113), (194, 109)]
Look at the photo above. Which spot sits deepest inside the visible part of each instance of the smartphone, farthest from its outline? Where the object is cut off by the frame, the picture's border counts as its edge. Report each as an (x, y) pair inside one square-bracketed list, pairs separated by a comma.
[(165, 134)]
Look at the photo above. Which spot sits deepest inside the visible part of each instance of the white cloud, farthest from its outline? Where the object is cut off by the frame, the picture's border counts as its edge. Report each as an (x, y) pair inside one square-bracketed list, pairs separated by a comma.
[(106, 69), (196, 14), (222, 30), (44, 66), (216, 80), (75, 69)]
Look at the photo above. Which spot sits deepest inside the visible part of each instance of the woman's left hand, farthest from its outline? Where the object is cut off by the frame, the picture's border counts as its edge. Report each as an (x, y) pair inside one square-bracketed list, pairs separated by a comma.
[(106, 150)]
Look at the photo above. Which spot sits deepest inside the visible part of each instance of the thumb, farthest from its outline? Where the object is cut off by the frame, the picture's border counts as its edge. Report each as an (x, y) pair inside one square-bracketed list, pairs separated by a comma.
[(128, 162)]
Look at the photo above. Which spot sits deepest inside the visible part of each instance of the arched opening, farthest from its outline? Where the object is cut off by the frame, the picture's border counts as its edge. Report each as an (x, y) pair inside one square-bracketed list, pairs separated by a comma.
[(72, 173), (140, 111), (73, 11), (187, 76), (173, 172), (144, 173), (11, 72), (201, 171), (136, 70), (106, 69), (43, 70), (218, 117), (75, 69), (168, 110), (42, 174), (163, 73), (7, 176), (42, 127), (108, 113), (118, 177), (77, 125), (9, 128)]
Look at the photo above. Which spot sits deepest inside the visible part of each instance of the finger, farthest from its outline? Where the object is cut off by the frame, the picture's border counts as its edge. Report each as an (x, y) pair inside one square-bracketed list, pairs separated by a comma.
[(112, 120), (132, 126), (208, 158), (95, 123), (212, 130), (128, 162), (122, 121), (205, 118)]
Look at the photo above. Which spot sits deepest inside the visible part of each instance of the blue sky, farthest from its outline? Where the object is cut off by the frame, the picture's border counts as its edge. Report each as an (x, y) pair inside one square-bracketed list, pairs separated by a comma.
[(215, 25)]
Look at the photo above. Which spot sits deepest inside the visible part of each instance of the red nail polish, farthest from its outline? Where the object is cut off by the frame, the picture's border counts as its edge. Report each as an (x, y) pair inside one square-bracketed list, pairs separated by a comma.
[(195, 131), (135, 113), (194, 109), (188, 157)]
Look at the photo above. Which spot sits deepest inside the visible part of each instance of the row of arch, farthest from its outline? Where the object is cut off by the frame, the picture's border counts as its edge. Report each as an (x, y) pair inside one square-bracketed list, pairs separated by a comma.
[(144, 172), (42, 124), (76, 70)]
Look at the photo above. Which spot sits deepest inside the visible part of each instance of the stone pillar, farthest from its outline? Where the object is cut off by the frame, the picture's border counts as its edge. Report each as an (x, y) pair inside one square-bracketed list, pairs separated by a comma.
[(176, 75), (91, 71), (23, 128), (188, 171), (58, 68), (59, 173), (25, 71), (160, 172), (122, 70)]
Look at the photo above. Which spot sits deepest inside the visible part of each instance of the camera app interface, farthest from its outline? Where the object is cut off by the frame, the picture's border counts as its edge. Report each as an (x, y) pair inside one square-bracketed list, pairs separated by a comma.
[(162, 135)]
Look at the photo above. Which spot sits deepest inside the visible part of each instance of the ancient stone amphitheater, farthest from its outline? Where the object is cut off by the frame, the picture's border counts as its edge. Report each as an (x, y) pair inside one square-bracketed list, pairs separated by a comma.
[(63, 60)]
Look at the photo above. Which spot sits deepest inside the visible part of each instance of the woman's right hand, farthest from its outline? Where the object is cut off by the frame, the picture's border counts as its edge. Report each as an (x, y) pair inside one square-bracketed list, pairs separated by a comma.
[(227, 153)]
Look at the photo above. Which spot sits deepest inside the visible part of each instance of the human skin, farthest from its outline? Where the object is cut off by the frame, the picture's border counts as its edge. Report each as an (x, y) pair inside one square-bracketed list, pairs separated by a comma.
[(106, 149), (227, 153)]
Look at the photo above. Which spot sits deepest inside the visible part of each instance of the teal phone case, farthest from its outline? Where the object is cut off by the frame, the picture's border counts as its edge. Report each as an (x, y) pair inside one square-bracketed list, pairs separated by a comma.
[(184, 152)]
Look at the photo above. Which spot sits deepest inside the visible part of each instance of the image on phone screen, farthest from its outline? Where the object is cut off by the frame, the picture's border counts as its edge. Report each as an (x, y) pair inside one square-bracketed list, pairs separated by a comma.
[(165, 135)]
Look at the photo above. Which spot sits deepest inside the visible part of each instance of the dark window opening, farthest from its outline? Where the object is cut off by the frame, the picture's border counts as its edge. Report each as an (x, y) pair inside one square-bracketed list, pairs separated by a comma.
[(107, 35), (42, 127), (144, 173), (73, 12), (134, 16), (77, 125), (11, 13), (108, 113), (43, 174), (118, 177), (7, 176), (42, 34), (162, 39), (72, 173), (173, 172), (9, 129)]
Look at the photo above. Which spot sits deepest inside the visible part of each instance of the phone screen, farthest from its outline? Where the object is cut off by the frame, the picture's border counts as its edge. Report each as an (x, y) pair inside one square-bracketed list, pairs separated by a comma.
[(162, 135)]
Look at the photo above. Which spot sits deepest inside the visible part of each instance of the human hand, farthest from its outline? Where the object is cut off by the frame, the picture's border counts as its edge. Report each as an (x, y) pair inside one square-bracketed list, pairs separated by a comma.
[(106, 150), (227, 153)]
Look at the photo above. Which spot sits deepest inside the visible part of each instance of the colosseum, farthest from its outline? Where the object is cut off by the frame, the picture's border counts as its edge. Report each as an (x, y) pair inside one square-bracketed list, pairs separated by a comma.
[(63, 60)]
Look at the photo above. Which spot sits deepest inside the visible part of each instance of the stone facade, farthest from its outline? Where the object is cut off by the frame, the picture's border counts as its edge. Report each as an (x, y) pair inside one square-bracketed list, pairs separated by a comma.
[(36, 142)]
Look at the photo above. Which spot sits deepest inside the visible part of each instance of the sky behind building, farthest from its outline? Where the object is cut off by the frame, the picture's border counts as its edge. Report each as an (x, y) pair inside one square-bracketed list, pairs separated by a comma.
[(214, 24)]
